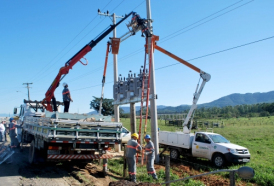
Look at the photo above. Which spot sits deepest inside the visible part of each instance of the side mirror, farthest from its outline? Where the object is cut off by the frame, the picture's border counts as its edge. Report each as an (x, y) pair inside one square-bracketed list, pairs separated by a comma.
[(15, 111)]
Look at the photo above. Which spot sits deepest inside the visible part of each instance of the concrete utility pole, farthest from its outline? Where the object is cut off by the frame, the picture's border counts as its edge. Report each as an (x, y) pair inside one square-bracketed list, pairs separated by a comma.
[(28, 88), (115, 62), (153, 105)]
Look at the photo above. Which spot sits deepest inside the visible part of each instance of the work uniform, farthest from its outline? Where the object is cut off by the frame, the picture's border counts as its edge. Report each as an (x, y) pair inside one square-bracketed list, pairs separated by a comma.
[(150, 156), (132, 146), (66, 99), (2, 132), (13, 134), (7, 130)]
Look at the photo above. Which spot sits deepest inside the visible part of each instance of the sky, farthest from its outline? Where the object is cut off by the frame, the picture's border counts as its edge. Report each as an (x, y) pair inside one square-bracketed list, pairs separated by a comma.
[(38, 37)]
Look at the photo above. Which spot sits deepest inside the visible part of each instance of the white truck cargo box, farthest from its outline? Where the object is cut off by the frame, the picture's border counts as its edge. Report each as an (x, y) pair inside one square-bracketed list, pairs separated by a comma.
[(177, 139)]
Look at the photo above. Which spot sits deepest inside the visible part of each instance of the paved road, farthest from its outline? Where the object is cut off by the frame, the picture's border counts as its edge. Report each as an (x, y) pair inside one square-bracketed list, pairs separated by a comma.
[(9, 173)]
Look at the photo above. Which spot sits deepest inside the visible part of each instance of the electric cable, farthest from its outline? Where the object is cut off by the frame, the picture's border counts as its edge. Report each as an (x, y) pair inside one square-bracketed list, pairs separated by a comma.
[(141, 50), (232, 48), (42, 70)]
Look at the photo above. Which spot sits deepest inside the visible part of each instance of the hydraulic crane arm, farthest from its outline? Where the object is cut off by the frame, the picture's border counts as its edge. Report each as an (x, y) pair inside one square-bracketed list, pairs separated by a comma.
[(205, 76), (72, 61)]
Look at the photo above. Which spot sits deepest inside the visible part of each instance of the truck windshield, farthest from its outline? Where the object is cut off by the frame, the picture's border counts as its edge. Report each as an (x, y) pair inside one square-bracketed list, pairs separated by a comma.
[(218, 138)]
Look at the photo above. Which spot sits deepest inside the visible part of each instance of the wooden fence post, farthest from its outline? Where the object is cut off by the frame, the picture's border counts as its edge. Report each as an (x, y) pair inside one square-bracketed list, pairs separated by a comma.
[(125, 163), (232, 178), (167, 172)]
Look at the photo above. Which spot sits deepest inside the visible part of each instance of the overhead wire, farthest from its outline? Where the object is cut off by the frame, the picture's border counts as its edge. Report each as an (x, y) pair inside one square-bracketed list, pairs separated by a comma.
[(141, 49), (195, 58), (84, 37), (220, 51), (101, 67), (43, 69)]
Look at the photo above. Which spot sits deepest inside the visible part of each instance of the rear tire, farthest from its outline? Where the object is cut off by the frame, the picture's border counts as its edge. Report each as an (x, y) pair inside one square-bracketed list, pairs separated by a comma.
[(218, 160), (174, 154), (32, 152)]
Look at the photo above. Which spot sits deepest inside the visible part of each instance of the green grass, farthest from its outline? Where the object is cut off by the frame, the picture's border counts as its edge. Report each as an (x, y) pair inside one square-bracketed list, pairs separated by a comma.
[(256, 134)]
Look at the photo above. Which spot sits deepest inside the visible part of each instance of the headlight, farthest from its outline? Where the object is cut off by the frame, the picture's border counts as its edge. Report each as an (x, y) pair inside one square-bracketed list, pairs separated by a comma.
[(233, 151)]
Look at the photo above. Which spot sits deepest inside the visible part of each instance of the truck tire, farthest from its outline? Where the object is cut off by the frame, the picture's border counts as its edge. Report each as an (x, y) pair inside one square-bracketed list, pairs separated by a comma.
[(218, 160), (32, 152), (174, 154)]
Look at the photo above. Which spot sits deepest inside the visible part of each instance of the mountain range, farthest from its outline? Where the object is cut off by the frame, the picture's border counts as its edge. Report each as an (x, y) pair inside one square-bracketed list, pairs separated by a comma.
[(230, 100)]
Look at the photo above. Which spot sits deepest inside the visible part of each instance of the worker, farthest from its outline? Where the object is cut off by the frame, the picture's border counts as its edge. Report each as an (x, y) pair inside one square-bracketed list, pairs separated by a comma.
[(150, 156), (66, 97), (7, 129), (133, 147), (2, 131), (13, 133)]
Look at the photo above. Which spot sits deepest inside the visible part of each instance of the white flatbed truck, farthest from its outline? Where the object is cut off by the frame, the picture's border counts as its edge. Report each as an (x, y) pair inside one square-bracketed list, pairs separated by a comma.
[(64, 136)]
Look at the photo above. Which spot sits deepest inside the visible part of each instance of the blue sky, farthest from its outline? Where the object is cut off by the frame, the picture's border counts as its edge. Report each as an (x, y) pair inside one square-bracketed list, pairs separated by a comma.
[(38, 37)]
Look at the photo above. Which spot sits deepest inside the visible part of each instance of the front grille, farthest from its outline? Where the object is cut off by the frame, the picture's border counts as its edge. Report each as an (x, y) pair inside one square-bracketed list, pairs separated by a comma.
[(242, 151)]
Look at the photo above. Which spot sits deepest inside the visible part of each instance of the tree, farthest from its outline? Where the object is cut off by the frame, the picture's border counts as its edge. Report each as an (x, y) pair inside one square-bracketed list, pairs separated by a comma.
[(107, 107)]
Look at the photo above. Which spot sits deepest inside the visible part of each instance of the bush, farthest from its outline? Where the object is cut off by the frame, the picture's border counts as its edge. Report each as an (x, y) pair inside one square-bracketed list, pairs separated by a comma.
[(264, 114)]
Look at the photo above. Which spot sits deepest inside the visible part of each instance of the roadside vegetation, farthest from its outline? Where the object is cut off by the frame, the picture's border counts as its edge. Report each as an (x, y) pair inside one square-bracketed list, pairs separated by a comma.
[(255, 133)]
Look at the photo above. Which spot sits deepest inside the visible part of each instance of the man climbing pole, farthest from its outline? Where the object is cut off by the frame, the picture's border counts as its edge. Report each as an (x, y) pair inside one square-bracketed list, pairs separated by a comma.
[(133, 147), (150, 156), (66, 97)]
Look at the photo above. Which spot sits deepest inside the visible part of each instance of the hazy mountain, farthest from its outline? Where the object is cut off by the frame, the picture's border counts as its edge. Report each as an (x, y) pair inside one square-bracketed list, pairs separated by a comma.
[(230, 100), (241, 99)]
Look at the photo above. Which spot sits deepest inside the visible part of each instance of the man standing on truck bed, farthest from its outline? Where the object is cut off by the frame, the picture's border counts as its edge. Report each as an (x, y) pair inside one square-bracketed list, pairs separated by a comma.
[(150, 156), (132, 147), (66, 97)]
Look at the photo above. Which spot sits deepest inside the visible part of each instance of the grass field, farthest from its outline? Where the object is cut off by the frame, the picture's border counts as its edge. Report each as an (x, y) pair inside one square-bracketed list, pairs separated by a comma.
[(257, 134)]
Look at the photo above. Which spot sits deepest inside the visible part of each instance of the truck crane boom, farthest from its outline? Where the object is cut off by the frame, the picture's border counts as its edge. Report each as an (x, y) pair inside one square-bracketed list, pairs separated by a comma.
[(205, 76), (72, 61)]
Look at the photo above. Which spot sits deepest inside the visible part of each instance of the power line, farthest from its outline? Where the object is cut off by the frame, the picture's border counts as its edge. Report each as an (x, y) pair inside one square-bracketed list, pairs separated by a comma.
[(99, 68), (81, 40), (205, 21), (253, 42), (141, 50), (42, 70)]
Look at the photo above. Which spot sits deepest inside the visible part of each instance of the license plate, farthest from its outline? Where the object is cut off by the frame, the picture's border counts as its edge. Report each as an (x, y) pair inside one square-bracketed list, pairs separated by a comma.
[(53, 152), (246, 160)]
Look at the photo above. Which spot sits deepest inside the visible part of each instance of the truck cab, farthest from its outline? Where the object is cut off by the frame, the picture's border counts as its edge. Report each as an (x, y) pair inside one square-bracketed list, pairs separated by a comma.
[(218, 149)]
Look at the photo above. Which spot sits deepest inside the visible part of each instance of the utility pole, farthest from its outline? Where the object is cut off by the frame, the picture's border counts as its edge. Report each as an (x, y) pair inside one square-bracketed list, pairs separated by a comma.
[(28, 88), (153, 105), (115, 62)]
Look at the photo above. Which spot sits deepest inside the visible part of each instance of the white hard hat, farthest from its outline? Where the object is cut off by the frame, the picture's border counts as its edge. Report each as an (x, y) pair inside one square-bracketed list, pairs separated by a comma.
[(65, 84)]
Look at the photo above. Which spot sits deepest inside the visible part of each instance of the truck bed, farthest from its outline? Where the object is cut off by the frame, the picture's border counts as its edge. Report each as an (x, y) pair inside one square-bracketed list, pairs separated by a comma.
[(71, 130), (176, 139)]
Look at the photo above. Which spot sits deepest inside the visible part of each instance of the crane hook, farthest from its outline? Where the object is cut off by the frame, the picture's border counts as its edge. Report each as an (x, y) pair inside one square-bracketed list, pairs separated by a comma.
[(84, 63)]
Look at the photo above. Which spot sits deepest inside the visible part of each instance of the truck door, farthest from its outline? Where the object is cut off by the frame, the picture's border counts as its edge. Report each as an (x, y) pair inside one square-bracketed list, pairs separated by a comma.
[(201, 146)]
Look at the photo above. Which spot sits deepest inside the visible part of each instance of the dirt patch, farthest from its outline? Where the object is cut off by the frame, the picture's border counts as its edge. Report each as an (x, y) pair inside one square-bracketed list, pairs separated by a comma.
[(128, 183)]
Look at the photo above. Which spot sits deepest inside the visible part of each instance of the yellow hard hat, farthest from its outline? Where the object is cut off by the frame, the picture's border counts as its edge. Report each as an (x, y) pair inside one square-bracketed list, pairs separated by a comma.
[(135, 135)]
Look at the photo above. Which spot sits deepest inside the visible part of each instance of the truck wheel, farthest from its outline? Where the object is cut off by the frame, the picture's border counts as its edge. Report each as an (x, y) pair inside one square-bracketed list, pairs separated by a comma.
[(218, 160), (174, 154), (32, 152)]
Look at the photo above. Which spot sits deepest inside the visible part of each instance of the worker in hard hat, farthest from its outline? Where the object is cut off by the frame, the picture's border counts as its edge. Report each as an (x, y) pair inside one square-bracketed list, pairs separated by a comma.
[(150, 156), (66, 97), (133, 147)]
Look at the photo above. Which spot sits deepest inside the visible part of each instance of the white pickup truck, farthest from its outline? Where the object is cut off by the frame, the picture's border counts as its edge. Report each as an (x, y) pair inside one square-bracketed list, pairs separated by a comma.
[(206, 145)]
